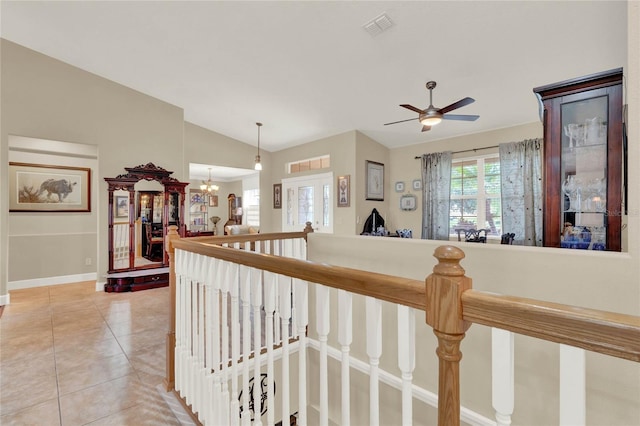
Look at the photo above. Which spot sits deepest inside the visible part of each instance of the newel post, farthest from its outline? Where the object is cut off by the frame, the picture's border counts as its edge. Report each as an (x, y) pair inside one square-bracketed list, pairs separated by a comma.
[(444, 313), (169, 380), (307, 229)]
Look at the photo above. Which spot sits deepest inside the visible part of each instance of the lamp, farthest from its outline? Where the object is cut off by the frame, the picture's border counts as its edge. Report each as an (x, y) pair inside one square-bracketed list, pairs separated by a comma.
[(209, 187), (258, 165)]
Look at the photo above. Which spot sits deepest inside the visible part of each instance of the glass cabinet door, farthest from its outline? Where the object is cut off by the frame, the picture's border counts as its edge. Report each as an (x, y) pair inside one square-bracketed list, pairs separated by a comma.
[(583, 162), (584, 173)]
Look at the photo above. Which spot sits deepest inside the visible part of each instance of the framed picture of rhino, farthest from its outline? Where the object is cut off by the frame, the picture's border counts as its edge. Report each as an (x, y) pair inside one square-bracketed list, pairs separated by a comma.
[(46, 188)]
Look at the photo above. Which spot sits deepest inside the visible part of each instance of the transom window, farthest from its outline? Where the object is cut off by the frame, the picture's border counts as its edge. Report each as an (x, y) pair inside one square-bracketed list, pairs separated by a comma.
[(475, 195)]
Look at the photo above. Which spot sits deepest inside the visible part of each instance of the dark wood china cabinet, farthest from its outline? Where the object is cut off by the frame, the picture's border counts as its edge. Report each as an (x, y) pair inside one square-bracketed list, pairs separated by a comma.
[(142, 204), (583, 162)]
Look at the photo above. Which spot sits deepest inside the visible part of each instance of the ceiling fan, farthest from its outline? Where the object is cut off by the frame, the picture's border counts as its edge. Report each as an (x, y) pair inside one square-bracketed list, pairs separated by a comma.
[(431, 115)]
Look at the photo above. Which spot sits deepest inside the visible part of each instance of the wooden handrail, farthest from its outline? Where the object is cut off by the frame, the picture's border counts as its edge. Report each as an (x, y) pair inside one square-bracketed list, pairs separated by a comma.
[(403, 291), (599, 331), (594, 330)]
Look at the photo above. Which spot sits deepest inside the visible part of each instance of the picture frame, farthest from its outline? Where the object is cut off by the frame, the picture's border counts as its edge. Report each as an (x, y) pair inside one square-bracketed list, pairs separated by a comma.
[(49, 188), (417, 184), (344, 191), (408, 202), (277, 195), (121, 206), (375, 181), (213, 201), (399, 186)]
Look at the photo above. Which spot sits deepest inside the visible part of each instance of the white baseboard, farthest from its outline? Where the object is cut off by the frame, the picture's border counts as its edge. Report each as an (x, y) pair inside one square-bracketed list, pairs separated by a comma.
[(5, 299), (42, 282)]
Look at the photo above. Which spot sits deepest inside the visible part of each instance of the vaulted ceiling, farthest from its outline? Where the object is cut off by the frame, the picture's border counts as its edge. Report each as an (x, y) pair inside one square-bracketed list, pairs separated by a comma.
[(309, 70)]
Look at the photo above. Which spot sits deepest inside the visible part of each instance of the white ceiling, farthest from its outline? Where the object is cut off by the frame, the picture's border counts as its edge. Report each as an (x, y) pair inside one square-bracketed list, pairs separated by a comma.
[(308, 70)]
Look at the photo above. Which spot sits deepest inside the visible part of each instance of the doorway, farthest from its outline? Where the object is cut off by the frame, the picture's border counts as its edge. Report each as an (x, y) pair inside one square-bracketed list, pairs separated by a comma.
[(308, 199)]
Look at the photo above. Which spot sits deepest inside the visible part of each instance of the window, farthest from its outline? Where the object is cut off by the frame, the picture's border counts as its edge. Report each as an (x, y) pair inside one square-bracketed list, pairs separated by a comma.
[(475, 195), (251, 201), (315, 163)]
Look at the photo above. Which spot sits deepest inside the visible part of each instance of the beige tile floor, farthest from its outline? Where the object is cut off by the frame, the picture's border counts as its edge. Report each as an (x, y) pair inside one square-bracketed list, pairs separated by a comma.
[(72, 356)]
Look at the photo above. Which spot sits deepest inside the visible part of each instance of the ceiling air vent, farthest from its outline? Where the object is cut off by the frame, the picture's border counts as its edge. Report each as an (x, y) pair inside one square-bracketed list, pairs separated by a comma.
[(378, 25)]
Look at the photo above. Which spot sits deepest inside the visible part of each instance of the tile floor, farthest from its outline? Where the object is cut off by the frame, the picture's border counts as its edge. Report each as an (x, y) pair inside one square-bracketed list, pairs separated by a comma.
[(72, 356)]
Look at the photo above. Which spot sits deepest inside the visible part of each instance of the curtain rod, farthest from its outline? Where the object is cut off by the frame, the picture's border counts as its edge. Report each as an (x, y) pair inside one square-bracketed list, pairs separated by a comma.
[(466, 150)]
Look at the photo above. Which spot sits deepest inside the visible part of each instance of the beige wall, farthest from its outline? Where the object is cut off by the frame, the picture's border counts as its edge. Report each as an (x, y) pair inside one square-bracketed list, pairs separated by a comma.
[(35, 238), (204, 146), (341, 149), (405, 168), (45, 98), (48, 99), (369, 150), (606, 281)]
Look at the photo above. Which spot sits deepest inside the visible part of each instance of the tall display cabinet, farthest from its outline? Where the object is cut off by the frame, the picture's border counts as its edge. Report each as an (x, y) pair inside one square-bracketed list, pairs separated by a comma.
[(139, 219), (583, 162)]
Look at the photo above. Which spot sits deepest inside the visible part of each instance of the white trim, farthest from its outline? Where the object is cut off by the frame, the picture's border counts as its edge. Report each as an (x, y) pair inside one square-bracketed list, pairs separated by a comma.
[(466, 415), (5, 299), (42, 282)]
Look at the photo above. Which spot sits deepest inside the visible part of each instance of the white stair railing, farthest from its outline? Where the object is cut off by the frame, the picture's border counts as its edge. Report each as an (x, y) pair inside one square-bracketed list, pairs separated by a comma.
[(211, 293)]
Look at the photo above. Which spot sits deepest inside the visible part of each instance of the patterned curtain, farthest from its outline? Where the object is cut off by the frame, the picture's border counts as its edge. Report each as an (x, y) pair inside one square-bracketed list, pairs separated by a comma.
[(521, 179), (436, 186)]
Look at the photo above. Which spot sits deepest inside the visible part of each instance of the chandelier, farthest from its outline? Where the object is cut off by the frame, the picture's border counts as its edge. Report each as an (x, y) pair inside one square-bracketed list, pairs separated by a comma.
[(209, 187)]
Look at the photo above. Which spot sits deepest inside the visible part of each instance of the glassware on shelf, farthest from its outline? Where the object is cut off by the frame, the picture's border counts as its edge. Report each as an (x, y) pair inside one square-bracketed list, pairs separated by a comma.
[(595, 131), (571, 188), (598, 238), (575, 133)]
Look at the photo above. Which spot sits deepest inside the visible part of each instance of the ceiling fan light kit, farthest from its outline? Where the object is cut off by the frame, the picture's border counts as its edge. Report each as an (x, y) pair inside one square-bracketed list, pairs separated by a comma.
[(432, 116)]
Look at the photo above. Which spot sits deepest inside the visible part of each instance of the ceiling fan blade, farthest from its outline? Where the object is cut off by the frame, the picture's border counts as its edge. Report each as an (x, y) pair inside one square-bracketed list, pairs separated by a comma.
[(460, 117), (425, 128), (412, 108), (401, 121), (456, 105)]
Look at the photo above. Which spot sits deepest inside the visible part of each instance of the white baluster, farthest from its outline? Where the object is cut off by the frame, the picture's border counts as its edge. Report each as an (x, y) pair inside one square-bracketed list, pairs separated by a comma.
[(188, 343), (179, 321), (322, 321), (216, 389), (502, 363), (302, 320), (224, 368), (284, 292), (269, 307), (200, 333), (234, 406), (256, 302), (345, 337), (274, 250), (245, 297), (208, 396), (406, 358), (572, 386), (374, 350)]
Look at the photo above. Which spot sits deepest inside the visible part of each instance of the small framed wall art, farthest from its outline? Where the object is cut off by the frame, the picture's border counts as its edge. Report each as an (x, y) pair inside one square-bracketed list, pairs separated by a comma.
[(277, 195), (417, 184), (408, 202), (122, 207), (399, 186), (344, 191), (375, 181)]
